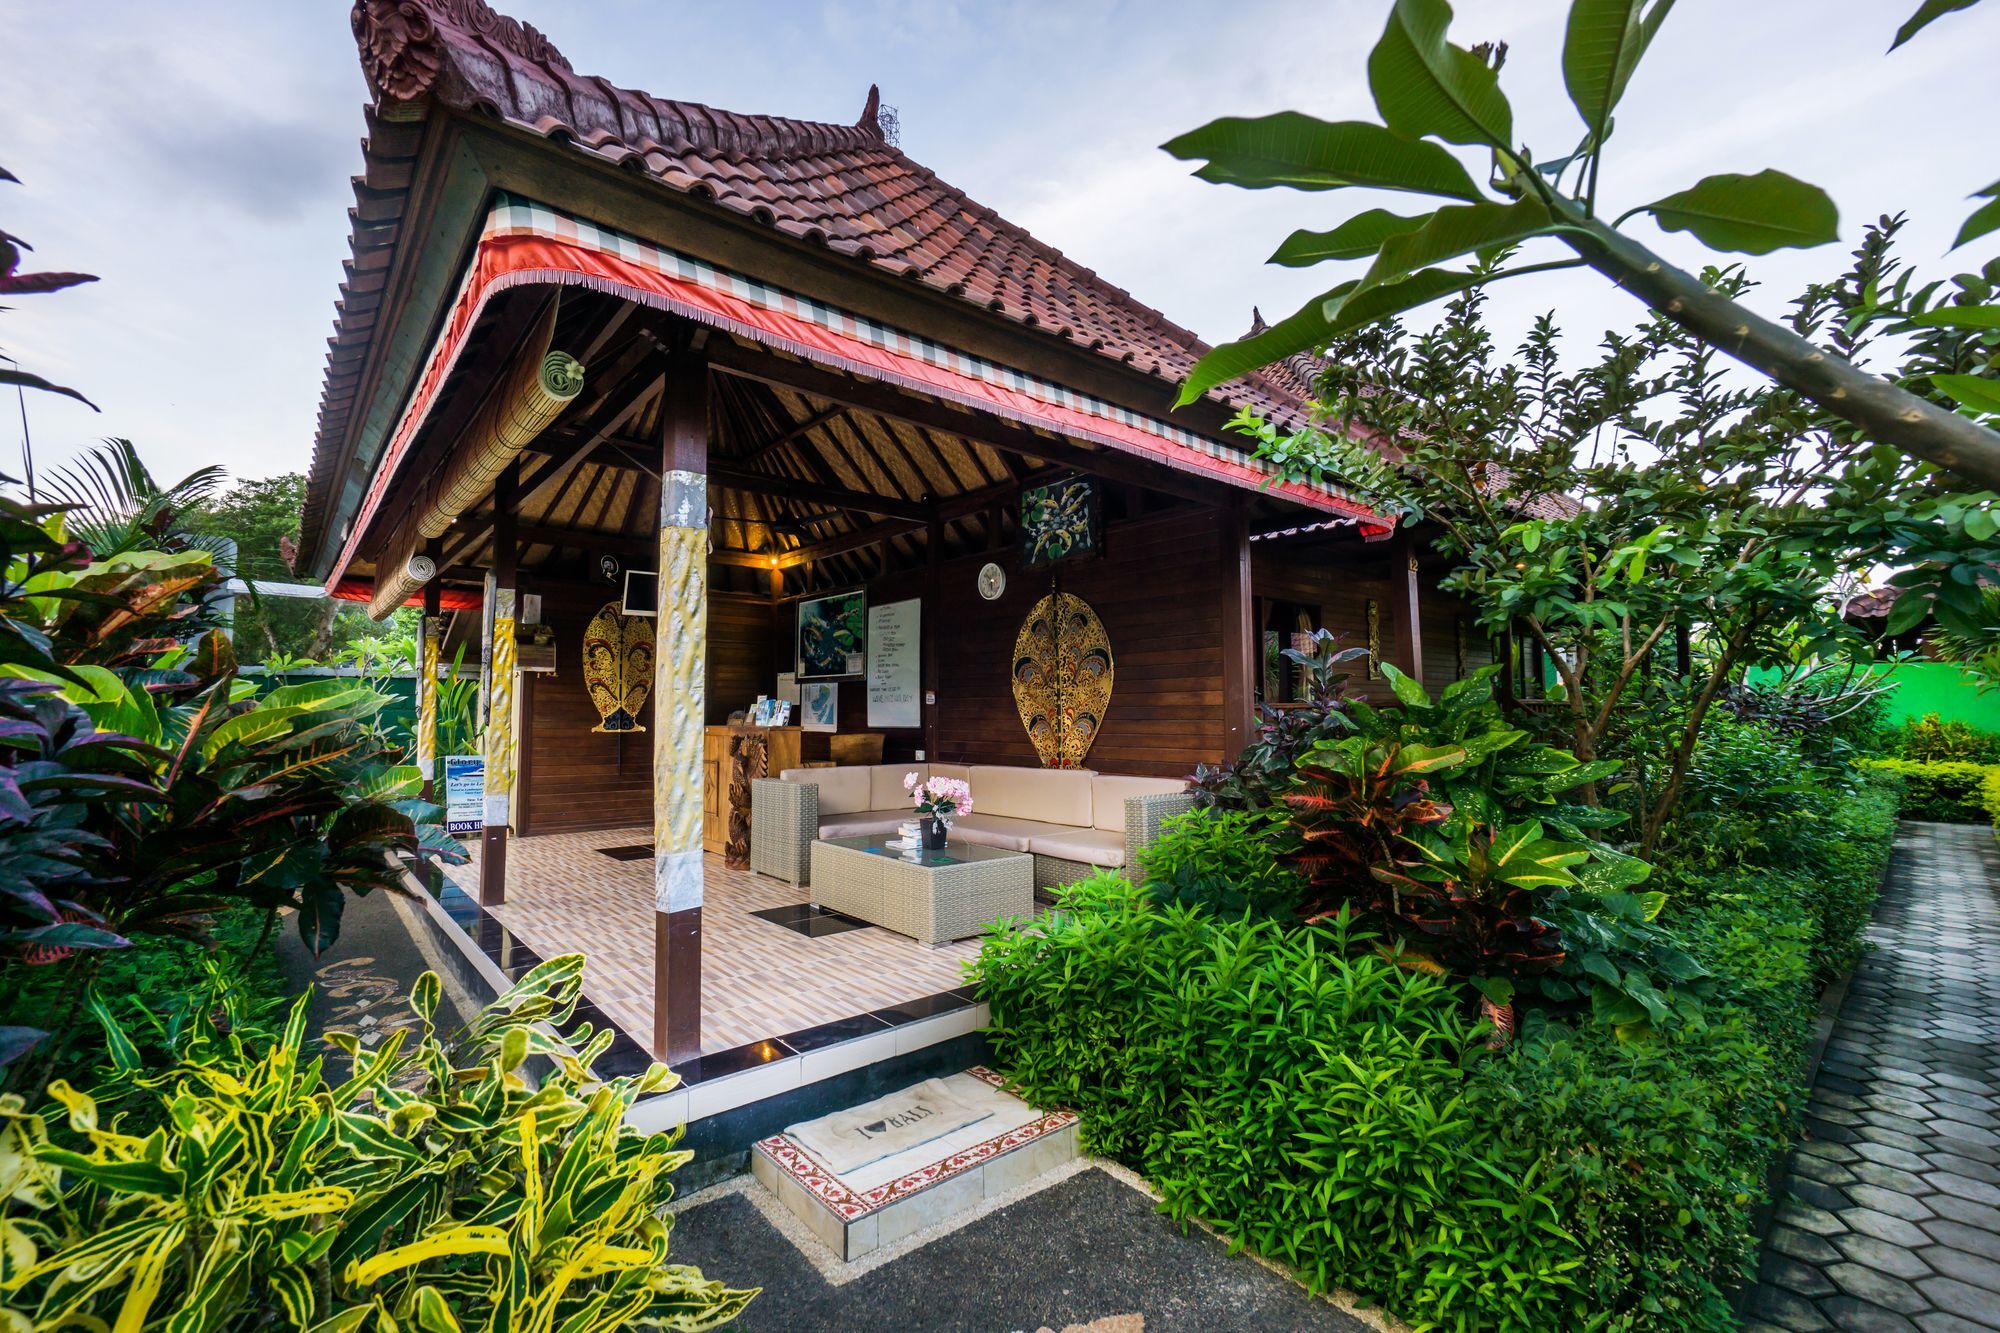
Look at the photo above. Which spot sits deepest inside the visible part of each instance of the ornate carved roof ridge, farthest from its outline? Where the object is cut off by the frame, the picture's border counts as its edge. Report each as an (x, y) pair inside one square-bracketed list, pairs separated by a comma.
[(468, 56)]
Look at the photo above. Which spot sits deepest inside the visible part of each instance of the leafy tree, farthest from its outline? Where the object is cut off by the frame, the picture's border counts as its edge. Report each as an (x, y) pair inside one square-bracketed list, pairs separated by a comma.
[(1601, 510), (1975, 643), (261, 515), (1433, 96)]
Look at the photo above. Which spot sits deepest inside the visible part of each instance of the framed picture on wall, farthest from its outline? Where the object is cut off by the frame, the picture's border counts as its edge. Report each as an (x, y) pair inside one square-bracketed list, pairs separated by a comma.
[(1059, 521), (833, 635), (819, 706)]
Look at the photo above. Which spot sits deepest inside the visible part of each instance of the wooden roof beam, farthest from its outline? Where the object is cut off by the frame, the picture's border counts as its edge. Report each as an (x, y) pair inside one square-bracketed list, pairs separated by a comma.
[(617, 409), (971, 502), (541, 534), (785, 488), (806, 427), (857, 540)]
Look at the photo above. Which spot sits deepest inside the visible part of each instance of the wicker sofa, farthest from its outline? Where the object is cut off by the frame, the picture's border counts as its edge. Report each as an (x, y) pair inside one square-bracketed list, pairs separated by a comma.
[(1072, 821)]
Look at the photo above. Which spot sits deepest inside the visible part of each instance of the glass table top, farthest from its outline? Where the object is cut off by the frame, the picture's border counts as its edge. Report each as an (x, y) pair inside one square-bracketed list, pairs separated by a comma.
[(954, 854)]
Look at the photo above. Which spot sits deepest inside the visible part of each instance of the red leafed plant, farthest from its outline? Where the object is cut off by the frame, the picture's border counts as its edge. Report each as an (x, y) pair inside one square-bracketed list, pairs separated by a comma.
[(1473, 891), (1351, 803)]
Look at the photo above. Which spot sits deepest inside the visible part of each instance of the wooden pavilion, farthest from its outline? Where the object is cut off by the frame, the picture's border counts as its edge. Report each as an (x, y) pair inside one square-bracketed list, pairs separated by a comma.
[(587, 331)]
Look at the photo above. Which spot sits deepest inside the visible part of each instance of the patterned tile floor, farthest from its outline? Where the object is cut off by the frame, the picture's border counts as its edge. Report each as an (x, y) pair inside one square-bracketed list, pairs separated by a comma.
[(1891, 1218), (758, 979)]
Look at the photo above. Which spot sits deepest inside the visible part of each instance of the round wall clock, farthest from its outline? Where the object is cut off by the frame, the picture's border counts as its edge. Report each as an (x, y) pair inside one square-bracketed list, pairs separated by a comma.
[(992, 581)]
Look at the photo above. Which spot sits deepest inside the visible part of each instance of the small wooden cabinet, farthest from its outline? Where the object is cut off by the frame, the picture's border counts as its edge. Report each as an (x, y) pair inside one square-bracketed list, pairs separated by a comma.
[(787, 746)]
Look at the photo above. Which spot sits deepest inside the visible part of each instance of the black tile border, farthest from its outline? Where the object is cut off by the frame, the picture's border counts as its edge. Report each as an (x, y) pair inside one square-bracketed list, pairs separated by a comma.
[(812, 922), (626, 1057), (823, 1035), (924, 1006)]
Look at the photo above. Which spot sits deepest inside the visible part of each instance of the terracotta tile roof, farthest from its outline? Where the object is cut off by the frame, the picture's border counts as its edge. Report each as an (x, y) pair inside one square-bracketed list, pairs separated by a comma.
[(842, 186), (1871, 604), (1296, 373)]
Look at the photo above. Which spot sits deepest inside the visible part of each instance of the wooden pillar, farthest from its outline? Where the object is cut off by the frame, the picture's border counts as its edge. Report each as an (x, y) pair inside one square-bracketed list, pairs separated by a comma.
[(502, 717), (679, 684), (1239, 638), (932, 609), (781, 645), (430, 648), (1405, 596)]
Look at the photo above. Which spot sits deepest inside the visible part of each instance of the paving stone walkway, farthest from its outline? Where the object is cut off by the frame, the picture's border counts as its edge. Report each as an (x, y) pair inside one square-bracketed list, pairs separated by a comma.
[(1891, 1217)]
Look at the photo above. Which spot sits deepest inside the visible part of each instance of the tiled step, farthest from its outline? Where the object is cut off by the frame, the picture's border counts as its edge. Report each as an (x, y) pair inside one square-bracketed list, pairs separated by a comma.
[(879, 1204)]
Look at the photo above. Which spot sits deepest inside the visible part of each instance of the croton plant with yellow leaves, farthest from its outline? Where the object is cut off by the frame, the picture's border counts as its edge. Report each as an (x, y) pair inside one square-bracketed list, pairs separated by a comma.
[(438, 1187)]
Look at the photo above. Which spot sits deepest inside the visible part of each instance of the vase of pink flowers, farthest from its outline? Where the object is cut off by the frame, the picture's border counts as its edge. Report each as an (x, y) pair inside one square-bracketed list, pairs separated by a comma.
[(937, 800)]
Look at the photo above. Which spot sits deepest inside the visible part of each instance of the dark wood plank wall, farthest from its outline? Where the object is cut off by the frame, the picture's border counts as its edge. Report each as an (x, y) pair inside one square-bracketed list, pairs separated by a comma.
[(575, 779), (1341, 588), (572, 778), (742, 658), (1441, 640), (1157, 588), (1341, 592)]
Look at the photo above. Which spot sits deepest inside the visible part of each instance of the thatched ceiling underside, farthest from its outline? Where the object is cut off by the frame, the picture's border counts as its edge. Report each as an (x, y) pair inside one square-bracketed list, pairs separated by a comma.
[(793, 448)]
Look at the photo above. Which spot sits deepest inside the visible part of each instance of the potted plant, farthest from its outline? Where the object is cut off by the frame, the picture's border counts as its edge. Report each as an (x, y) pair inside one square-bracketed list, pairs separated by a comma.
[(938, 799)]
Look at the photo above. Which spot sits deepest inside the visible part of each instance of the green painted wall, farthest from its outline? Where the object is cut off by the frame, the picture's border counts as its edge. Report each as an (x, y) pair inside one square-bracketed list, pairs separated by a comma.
[(1932, 687), (1944, 689)]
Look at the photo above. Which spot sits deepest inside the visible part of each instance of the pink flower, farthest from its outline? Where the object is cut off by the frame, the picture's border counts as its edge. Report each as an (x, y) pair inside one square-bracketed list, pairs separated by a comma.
[(941, 796), (909, 781)]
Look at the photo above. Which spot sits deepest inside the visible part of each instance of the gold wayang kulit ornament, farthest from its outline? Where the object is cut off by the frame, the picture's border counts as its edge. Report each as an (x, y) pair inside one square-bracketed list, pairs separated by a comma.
[(1062, 678), (618, 667)]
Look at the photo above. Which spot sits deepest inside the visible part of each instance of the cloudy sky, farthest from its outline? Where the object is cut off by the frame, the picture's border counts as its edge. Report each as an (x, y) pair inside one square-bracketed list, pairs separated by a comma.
[(197, 155)]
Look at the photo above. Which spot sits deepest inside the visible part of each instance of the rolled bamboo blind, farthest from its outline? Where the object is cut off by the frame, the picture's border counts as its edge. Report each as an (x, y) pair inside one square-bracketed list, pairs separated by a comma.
[(529, 395)]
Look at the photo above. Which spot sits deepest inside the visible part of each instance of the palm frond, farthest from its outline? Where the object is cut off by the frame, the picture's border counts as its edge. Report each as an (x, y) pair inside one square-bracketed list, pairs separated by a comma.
[(117, 506)]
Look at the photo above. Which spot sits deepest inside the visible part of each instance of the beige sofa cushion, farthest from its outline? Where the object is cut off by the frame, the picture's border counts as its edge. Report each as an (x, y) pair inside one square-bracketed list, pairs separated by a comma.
[(862, 823), (1109, 794), (1093, 846), (842, 791), (963, 772), (1045, 795), (885, 784), (1012, 835)]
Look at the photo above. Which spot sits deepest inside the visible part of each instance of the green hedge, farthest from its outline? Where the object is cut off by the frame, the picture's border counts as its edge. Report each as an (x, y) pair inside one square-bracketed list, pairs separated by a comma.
[(1947, 791), (1323, 1107)]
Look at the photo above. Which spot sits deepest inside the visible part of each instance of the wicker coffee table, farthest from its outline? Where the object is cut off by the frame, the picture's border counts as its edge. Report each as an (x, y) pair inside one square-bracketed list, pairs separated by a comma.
[(935, 897)]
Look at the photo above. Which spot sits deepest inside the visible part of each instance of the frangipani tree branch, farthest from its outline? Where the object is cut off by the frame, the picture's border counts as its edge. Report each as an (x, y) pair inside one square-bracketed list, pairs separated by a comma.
[(1880, 409), (1432, 94)]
